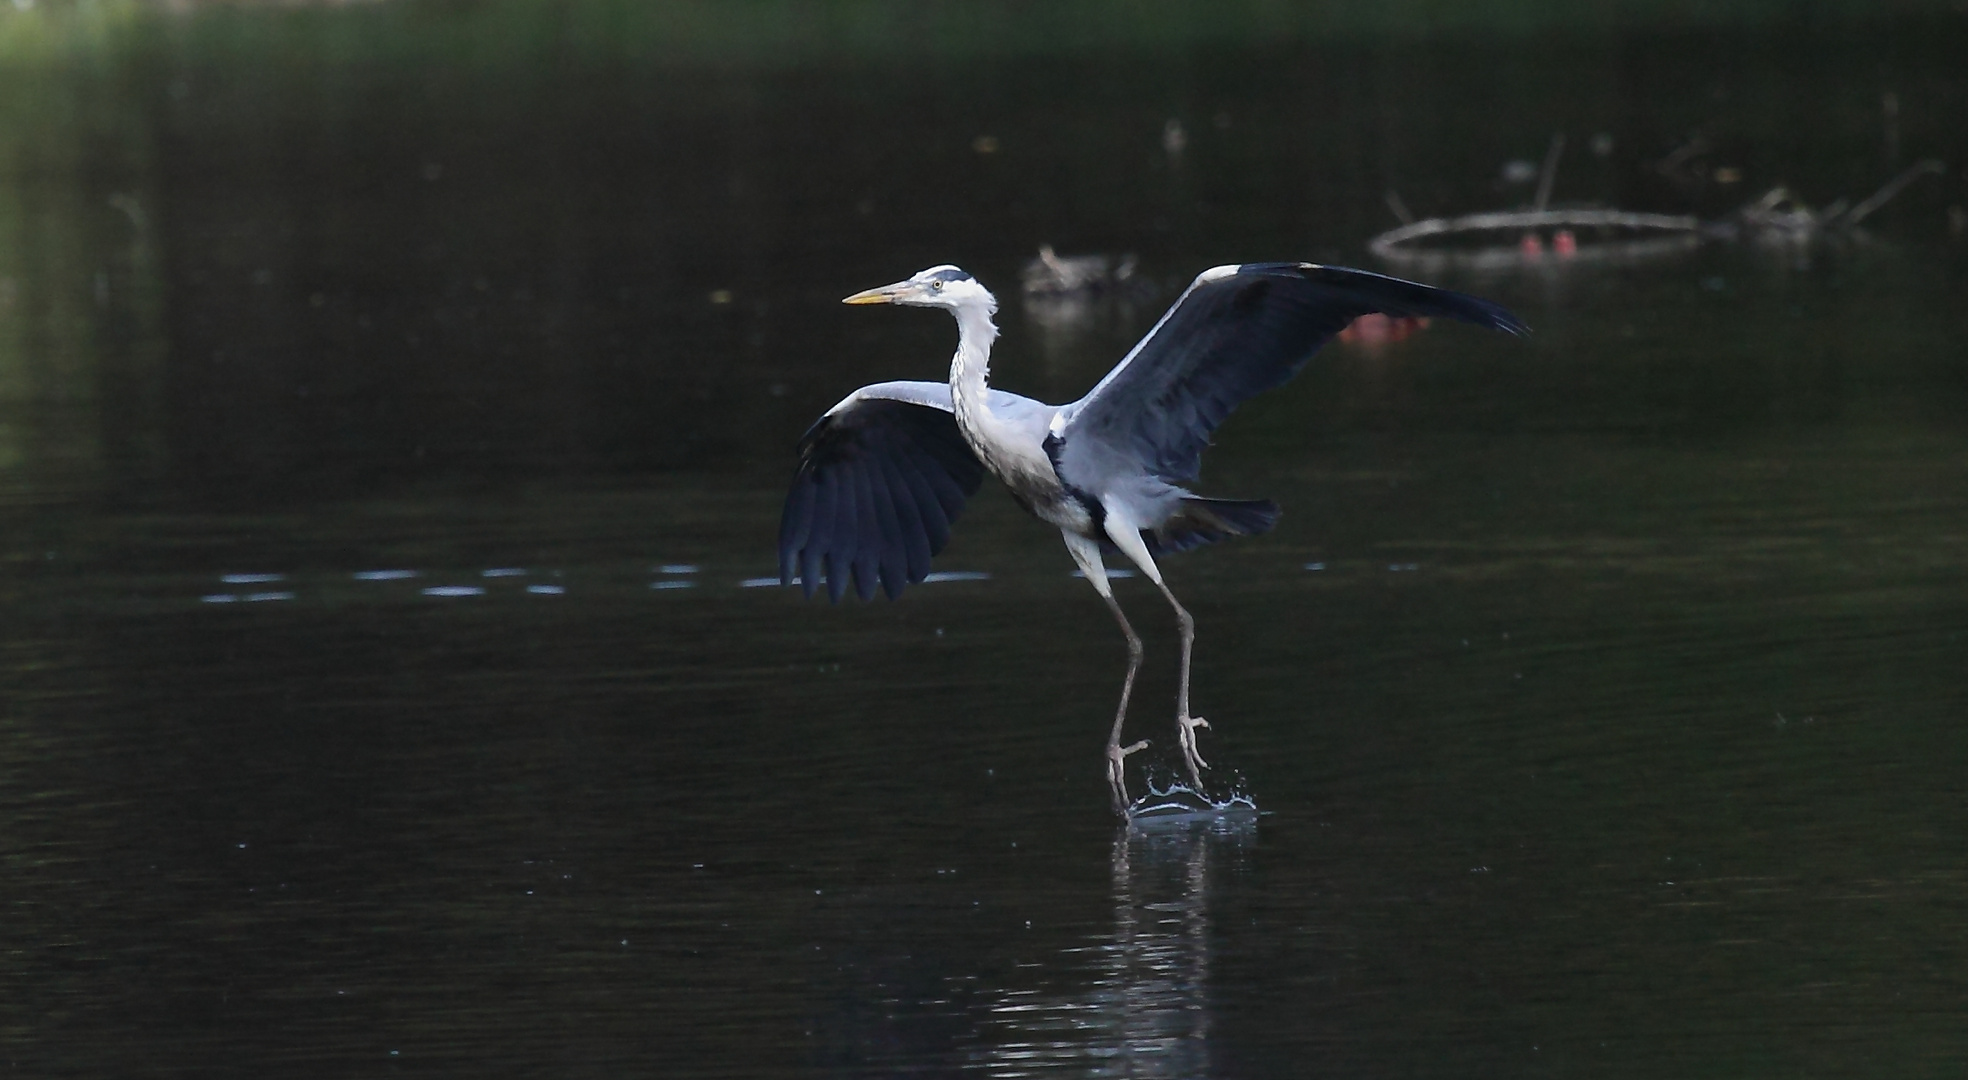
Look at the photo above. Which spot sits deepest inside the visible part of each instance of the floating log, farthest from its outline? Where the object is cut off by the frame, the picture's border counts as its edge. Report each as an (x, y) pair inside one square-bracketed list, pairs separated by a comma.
[(1509, 238)]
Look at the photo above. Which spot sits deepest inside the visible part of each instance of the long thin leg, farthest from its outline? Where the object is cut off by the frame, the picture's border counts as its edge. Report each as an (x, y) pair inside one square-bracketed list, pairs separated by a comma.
[(1087, 554), (1186, 725), (1127, 537)]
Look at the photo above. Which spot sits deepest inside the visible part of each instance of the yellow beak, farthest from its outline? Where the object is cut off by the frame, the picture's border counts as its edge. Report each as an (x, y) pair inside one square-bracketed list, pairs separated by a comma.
[(887, 294)]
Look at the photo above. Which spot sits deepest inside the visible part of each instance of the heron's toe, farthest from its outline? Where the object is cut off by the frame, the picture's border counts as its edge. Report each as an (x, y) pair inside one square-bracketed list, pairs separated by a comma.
[(1117, 772), (1116, 754), (1190, 754)]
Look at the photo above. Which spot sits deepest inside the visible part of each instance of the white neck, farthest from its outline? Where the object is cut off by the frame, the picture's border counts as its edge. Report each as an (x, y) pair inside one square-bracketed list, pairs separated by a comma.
[(970, 373)]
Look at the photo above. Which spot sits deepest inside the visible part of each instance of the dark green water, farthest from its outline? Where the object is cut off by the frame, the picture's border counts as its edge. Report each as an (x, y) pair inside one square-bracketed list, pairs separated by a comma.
[(1623, 732)]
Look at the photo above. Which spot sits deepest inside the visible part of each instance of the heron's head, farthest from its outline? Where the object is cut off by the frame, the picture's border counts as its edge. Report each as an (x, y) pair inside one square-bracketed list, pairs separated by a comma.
[(938, 286)]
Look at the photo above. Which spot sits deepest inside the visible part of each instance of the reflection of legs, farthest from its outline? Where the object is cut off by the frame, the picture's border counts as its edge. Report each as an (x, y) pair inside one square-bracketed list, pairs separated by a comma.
[(1128, 539), (1087, 554)]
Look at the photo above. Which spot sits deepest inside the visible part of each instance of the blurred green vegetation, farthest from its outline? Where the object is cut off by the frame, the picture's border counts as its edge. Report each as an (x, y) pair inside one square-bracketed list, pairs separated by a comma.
[(771, 32)]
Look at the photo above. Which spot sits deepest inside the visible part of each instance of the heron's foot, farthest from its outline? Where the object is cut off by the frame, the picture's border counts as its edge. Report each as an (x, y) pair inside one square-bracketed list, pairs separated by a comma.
[(1186, 733), (1117, 774)]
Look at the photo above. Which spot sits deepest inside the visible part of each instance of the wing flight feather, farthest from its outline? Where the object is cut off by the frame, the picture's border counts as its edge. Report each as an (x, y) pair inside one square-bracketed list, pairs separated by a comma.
[(882, 477), (1236, 332)]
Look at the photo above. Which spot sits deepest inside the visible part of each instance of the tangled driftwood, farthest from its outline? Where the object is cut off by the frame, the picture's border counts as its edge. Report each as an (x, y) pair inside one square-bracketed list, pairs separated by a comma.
[(1516, 238)]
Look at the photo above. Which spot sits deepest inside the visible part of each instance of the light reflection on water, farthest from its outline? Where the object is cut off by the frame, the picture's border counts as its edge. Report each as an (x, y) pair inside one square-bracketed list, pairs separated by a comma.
[(1145, 1007), (676, 577), (676, 580)]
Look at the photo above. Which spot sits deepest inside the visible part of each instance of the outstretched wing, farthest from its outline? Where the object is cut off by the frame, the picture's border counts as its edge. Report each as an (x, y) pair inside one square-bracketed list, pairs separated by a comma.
[(882, 477), (1236, 331)]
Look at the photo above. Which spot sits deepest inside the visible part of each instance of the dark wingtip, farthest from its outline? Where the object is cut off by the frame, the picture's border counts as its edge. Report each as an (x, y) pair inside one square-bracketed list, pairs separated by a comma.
[(1474, 310), (1502, 319), (1399, 296), (865, 583)]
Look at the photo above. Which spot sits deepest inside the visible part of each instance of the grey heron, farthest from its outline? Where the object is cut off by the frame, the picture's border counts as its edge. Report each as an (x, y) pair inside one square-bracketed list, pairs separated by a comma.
[(884, 474)]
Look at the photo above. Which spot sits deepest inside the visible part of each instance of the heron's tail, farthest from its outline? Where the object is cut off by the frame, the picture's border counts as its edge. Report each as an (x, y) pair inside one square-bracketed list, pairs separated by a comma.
[(1204, 521)]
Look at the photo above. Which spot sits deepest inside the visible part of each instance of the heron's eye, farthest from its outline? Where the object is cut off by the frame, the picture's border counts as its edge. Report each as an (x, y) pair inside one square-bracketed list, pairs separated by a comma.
[(936, 286)]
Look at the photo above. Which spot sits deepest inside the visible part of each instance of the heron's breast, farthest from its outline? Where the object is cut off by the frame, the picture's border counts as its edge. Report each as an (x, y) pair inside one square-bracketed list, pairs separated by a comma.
[(1055, 504), (1038, 489), (1019, 458)]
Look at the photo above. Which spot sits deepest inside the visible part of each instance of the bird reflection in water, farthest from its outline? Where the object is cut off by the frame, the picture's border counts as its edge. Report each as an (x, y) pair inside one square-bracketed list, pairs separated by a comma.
[(1147, 1010)]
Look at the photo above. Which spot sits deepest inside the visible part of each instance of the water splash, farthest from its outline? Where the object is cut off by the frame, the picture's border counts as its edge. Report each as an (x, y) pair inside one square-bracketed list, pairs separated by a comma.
[(1178, 802)]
